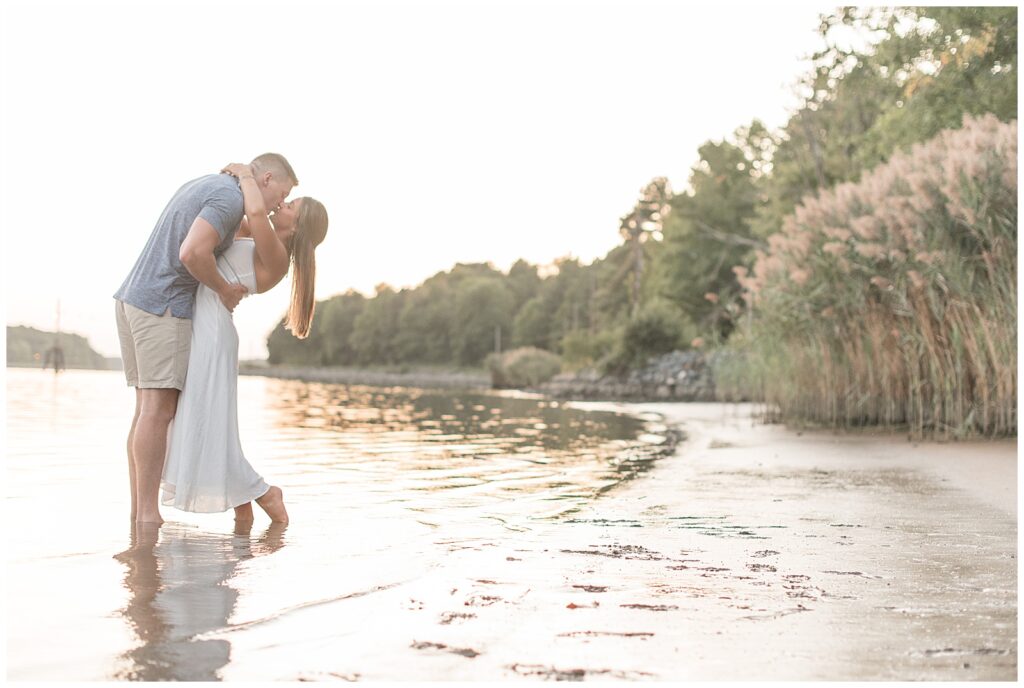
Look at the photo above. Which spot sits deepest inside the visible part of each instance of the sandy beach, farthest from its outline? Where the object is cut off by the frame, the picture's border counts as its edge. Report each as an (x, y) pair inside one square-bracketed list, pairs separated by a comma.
[(755, 552)]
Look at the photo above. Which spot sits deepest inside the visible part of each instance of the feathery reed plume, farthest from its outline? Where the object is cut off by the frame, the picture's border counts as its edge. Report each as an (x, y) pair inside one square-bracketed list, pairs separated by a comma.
[(893, 300)]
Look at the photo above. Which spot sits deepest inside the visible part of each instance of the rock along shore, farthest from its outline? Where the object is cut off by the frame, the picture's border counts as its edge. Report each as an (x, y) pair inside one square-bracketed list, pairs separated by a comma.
[(376, 378), (675, 376)]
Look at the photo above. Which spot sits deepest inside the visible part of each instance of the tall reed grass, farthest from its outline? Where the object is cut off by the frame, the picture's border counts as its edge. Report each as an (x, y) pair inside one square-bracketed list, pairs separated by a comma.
[(893, 300)]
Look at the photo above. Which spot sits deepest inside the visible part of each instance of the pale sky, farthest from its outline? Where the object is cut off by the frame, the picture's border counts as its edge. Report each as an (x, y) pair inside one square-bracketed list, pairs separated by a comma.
[(434, 133)]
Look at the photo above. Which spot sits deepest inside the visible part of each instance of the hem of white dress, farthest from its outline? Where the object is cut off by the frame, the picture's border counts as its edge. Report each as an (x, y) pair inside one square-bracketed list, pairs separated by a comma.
[(168, 492), (235, 506)]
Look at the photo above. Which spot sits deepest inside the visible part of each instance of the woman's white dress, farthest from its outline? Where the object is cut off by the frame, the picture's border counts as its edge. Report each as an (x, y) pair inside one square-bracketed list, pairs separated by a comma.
[(205, 469)]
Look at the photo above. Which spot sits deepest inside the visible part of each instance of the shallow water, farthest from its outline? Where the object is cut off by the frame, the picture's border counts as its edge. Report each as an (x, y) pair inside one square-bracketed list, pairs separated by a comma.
[(381, 485), (427, 544)]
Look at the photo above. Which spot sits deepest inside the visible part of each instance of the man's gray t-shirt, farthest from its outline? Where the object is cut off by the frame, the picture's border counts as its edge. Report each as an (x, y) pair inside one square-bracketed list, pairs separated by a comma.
[(159, 281)]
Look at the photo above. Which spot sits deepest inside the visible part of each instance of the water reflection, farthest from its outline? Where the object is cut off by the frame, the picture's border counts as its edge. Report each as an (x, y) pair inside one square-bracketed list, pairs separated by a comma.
[(179, 584), (397, 479), (456, 448)]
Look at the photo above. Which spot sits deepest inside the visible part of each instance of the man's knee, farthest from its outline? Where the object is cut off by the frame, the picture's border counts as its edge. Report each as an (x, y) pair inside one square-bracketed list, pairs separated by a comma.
[(157, 405)]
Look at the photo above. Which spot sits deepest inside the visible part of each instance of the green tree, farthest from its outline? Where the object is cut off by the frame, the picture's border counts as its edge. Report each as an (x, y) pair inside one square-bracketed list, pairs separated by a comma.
[(707, 232), (374, 335), (532, 325), (658, 328), (565, 303), (959, 60), (610, 300), (482, 304), (28, 346), (643, 222), (284, 348), (922, 70), (337, 318), (465, 271), (524, 281), (425, 323)]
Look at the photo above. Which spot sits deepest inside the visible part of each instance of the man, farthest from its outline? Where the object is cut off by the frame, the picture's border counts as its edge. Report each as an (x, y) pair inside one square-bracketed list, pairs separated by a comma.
[(154, 308)]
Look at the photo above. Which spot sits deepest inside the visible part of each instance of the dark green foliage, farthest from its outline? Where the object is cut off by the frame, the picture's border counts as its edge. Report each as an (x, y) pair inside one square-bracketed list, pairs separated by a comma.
[(532, 326), (523, 367), (707, 232), (658, 328), (582, 348), (568, 298), (640, 226), (374, 338), (482, 306), (928, 67), (524, 282), (284, 349), (27, 346), (425, 324), (336, 319)]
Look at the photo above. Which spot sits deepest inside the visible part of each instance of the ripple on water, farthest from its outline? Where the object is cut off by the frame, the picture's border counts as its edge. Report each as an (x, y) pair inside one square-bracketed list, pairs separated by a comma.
[(390, 477)]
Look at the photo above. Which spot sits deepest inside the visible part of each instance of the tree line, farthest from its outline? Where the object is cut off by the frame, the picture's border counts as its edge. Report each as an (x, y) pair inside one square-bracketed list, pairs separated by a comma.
[(29, 347), (674, 280)]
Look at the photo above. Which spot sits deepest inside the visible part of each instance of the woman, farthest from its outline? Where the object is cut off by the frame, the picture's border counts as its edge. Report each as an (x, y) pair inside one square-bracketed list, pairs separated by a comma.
[(205, 470)]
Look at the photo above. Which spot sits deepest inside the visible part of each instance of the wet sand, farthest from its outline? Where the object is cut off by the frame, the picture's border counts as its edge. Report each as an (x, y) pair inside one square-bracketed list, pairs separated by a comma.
[(754, 552)]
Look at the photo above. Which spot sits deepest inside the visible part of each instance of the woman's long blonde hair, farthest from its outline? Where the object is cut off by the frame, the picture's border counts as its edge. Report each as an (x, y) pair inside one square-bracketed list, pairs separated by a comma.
[(310, 230)]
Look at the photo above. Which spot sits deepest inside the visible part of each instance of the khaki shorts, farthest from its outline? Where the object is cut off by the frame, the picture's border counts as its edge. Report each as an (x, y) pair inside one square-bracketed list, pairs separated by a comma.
[(154, 348)]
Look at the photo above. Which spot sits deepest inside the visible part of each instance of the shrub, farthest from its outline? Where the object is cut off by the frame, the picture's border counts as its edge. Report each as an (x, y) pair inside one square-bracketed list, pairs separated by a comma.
[(658, 328), (581, 348), (523, 367)]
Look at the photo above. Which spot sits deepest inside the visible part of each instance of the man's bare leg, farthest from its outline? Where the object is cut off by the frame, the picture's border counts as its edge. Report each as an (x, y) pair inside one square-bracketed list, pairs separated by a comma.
[(131, 457), (149, 447), (273, 503), (243, 513)]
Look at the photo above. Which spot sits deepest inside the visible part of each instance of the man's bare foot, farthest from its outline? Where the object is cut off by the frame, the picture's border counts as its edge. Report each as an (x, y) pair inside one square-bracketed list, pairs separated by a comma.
[(244, 512), (150, 519), (144, 537), (273, 503)]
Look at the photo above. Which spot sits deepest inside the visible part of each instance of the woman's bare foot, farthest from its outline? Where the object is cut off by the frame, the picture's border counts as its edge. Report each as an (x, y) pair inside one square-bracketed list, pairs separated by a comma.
[(273, 503), (243, 528), (244, 512)]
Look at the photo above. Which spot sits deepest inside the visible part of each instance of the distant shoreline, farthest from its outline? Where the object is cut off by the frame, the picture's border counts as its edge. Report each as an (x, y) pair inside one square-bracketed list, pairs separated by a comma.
[(415, 377), (114, 365)]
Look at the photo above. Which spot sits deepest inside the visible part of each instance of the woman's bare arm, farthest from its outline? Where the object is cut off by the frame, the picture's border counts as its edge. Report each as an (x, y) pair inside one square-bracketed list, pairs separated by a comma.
[(269, 248), (265, 279)]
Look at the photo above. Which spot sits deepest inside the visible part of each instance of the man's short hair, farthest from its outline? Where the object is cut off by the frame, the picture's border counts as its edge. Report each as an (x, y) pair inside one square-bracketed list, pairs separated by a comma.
[(275, 163)]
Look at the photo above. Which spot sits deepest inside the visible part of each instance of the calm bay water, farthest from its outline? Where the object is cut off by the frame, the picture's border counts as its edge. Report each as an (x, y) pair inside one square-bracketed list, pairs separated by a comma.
[(381, 485)]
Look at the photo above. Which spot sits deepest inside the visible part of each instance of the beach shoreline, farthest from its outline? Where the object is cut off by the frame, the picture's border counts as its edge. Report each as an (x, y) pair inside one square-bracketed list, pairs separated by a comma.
[(749, 552), (990, 474), (423, 377), (752, 553)]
